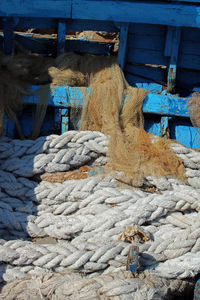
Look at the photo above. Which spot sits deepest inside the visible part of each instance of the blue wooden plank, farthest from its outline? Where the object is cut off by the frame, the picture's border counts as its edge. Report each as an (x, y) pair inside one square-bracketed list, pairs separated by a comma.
[(152, 42), (174, 14), (183, 132), (189, 61), (175, 42), (61, 37), (190, 47), (72, 25), (146, 29), (36, 8), (122, 45), (140, 82), (64, 96), (36, 45), (149, 72), (166, 105), (168, 41), (8, 26), (65, 120), (187, 79), (190, 34), (146, 56), (152, 126)]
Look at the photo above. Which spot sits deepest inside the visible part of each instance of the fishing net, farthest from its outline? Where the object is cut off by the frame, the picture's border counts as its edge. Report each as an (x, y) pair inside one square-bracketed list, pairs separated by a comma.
[(193, 106), (131, 150), (19, 72), (114, 108)]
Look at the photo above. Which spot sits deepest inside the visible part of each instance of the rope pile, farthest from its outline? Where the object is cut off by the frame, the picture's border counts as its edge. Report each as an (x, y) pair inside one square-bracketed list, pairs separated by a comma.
[(76, 225), (117, 285)]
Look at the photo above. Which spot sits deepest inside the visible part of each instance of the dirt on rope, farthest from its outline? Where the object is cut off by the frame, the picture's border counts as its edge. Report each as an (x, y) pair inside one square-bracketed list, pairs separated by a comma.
[(114, 108), (116, 285)]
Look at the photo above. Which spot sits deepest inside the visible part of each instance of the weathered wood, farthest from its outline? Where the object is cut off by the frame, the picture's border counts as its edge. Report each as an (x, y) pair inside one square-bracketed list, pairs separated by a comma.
[(173, 14), (155, 104), (151, 42), (146, 29), (36, 8), (122, 45), (8, 26), (61, 37), (172, 69), (145, 77)]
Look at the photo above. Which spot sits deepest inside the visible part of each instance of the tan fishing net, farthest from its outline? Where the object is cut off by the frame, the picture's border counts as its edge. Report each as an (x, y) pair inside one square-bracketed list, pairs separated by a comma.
[(19, 72), (113, 108), (131, 150), (193, 106)]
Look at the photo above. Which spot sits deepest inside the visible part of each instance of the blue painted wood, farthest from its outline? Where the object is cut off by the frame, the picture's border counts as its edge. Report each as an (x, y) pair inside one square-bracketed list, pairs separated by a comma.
[(163, 106), (152, 125), (61, 37), (174, 14), (8, 25), (72, 25), (183, 132), (122, 45), (175, 42), (146, 29), (168, 41), (187, 79), (140, 82), (150, 42), (65, 120), (152, 73), (64, 96), (190, 34), (36, 45), (146, 56), (36, 8), (166, 105)]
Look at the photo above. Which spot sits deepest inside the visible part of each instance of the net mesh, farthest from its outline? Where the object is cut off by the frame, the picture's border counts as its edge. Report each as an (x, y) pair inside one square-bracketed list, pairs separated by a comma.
[(193, 105), (114, 108)]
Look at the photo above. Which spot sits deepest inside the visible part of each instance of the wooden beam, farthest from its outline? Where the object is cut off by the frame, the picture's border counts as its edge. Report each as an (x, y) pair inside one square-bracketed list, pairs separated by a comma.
[(172, 49), (36, 8), (173, 14), (8, 27), (122, 44), (164, 105), (61, 37)]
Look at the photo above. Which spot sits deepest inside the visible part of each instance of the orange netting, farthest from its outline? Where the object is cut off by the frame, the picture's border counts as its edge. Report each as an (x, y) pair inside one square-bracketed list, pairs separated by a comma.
[(193, 106), (113, 108)]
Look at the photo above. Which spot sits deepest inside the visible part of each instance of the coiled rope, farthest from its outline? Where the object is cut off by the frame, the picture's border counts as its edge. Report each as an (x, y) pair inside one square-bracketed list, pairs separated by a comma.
[(84, 218)]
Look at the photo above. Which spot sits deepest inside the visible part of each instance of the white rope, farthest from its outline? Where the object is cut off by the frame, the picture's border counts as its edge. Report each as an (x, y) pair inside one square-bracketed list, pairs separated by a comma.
[(85, 218), (82, 212), (70, 285)]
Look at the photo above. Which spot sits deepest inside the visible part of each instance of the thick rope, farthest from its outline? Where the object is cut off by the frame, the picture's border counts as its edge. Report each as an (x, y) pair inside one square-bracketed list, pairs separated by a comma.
[(91, 214), (118, 285), (74, 149), (84, 218)]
